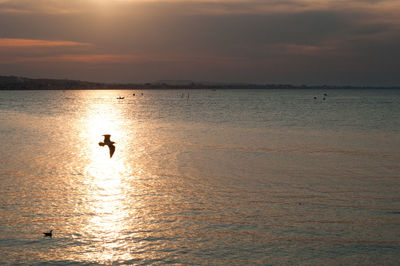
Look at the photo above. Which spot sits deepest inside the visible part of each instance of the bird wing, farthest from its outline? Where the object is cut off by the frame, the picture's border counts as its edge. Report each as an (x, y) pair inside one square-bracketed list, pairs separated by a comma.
[(112, 149)]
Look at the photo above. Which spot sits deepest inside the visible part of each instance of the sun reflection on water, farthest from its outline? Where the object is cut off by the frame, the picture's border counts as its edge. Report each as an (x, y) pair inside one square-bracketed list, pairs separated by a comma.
[(106, 181)]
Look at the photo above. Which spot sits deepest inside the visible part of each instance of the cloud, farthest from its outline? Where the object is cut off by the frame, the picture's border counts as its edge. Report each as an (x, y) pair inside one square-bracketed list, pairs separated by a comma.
[(121, 59), (27, 7), (73, 58), (263, 7), (26, 43), (295, 49), (202, 7)]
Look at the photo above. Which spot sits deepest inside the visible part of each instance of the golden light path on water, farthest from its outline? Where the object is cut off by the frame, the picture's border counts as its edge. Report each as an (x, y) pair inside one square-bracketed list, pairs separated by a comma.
[(107, 180)]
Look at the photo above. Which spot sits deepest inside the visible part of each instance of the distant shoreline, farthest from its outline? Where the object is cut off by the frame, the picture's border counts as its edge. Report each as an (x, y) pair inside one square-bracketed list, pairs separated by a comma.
[(15, 83)]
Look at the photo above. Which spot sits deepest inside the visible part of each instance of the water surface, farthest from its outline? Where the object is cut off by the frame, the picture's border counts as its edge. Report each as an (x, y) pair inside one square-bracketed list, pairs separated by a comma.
[(200, 177)]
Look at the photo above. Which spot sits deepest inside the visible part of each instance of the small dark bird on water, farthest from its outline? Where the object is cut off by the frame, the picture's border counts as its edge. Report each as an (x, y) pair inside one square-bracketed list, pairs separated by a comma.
[(109, 143), (49, 234)]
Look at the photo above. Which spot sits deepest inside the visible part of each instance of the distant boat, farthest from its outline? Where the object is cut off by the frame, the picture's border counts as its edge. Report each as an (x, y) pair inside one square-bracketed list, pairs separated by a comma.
[(120, 98)]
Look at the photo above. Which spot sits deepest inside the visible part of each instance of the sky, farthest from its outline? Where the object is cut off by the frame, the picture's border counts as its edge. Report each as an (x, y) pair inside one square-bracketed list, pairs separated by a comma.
[(314, 42)]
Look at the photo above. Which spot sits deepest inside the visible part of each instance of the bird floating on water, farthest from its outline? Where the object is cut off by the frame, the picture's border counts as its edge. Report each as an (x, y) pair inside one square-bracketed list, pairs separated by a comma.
[(109, 143), (49, 234)]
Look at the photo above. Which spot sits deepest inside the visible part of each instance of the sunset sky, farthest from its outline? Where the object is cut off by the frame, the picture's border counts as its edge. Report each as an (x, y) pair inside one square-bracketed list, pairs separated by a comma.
[(355, 42)]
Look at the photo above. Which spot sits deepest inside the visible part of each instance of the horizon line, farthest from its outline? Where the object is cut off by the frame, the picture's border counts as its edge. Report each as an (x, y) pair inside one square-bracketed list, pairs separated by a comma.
[(187, 82)]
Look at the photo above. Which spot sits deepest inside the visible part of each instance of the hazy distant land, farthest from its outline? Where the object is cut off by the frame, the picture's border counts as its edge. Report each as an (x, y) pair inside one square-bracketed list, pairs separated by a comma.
[(23, 83)]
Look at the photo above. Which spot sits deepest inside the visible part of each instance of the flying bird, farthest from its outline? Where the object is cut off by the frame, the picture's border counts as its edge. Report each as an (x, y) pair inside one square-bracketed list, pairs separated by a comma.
[(109, 143), (49, 234)]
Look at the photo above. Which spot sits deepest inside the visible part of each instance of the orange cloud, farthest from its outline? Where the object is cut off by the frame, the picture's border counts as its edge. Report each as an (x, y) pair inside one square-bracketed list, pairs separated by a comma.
[(13, 11), (85, 58), (121, 59), (9, 42)]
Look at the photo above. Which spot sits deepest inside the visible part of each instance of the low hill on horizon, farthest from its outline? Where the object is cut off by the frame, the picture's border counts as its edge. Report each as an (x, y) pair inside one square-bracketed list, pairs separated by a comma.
[(23, 83)]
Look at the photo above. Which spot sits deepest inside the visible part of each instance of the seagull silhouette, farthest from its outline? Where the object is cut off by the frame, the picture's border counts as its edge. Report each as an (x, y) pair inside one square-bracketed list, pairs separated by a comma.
[(49, 234), (109, 143)]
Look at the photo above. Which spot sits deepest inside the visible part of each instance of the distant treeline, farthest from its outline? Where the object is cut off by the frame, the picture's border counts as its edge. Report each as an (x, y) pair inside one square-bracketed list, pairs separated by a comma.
[(21, 83)]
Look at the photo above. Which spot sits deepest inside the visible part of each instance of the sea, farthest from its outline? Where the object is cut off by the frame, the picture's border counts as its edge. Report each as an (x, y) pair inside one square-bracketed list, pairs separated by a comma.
[(200, 177)]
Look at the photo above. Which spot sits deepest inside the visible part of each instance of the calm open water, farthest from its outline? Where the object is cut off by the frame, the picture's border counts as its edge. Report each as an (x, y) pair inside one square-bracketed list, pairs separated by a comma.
[(220, 177)]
